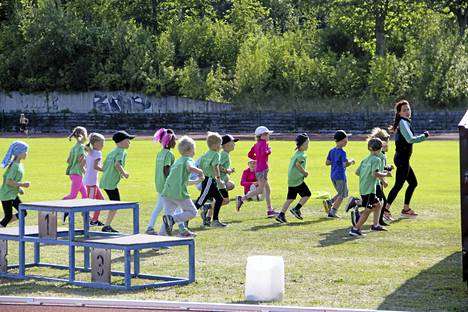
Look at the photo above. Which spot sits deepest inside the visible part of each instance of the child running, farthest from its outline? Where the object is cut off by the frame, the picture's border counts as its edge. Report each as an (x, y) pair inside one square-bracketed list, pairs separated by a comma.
[(370, 172), (339, 162), (93, 166), (113, 170), (209, 163), (76, 165), (228, 145), (175, 194), (12, 181), (296, 173), (260, 152), (164, 160)]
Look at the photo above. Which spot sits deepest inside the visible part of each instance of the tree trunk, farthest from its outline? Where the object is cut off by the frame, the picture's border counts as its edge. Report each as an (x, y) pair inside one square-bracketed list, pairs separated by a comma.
[(379, 35), (462, 19)]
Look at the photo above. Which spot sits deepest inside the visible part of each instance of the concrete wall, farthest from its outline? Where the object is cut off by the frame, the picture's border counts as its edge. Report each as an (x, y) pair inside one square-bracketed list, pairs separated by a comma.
[(104, 102), (236, 122)]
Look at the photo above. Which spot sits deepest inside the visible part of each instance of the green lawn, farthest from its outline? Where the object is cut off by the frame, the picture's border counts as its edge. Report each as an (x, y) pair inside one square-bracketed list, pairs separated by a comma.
[(414, 266)]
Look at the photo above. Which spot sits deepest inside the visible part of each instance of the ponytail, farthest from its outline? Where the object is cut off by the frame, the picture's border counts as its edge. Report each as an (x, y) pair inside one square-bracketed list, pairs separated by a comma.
[(396, 120)]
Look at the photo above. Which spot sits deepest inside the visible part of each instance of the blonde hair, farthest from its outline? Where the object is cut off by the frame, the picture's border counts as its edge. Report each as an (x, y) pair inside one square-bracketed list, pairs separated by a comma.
[(213, 138), (94, 138), (378, 133), (186, 144), (78, 133)]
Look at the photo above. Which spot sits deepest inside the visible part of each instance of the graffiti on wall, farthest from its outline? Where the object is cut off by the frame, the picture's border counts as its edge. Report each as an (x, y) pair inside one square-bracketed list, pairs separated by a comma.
[(121, 104), (48, 104)]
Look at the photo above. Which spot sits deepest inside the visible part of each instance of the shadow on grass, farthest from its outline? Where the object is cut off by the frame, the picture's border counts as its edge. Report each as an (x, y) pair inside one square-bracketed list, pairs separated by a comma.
[(438, 288), (336, 237), (275, 224), (148, 253)]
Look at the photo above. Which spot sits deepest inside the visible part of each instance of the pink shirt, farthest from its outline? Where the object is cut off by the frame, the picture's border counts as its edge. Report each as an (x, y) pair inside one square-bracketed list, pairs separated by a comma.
[(260, 152), (248, 178)]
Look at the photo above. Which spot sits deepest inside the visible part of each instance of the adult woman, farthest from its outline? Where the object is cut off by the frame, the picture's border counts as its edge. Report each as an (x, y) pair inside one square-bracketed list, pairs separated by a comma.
[(404, 140)]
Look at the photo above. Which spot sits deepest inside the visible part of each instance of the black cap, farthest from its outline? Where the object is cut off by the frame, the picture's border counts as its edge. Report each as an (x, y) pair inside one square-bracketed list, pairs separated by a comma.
[(340, 135), (119, 136), (301, 138), (228, 138)]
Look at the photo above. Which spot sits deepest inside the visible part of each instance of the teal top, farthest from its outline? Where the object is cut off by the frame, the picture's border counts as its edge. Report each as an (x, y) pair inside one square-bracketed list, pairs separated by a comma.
[(110, 176), (208, 161), (367, 182), (295, 177), (176, 182), (74, 166), (164, 158)]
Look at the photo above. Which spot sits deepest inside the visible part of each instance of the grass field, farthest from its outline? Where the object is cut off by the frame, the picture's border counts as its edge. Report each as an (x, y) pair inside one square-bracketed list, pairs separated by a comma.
[(414, 266)]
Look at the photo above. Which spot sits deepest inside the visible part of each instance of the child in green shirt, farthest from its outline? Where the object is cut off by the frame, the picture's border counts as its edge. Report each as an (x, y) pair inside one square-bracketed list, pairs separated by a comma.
[(296, 173), (175, 194), (12, 185), (212, 183), (370, 174), (113, 170)]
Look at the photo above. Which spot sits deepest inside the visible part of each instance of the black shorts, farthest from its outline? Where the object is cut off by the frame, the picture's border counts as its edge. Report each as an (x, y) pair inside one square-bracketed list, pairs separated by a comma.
[(209, 190), (369, 200), (301, 189), (113, 194), (379, 192), (224, 193)]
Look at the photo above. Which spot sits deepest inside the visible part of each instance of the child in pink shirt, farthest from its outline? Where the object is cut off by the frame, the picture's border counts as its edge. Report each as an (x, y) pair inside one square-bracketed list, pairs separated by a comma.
[(248, 177), (260, 152)]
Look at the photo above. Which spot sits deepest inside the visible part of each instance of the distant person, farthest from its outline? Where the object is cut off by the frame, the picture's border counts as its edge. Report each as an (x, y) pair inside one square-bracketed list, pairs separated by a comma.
[(23, 124), (404, 140)]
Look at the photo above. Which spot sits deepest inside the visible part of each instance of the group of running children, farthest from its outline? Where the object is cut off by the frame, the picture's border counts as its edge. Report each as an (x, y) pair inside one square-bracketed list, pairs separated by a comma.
[(211, 174)]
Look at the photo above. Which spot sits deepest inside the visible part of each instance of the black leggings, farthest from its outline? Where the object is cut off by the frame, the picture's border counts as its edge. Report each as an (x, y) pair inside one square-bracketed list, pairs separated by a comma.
[(210, 190), (8, 210), (113, 194), (404, 172)]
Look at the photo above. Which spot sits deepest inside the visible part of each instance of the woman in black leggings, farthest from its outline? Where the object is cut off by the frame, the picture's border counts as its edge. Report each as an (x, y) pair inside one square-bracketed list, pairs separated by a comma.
[(404, 140)]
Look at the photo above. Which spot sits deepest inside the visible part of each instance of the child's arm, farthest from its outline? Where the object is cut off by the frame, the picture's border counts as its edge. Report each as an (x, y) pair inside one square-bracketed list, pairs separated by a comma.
[(379, 175), (82, 162), (216, 171), (327, 162), (349, 162), (226, 170), (13, 183), (244, 181), (251, 154), (97, 165), (121, 169), (301, 169), (196, 170)]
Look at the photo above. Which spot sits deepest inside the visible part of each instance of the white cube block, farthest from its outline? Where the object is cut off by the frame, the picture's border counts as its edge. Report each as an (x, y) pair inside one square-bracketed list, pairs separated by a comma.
[(264, 278)]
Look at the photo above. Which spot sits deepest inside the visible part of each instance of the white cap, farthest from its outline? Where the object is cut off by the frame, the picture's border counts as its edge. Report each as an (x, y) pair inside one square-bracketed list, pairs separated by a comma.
[(261, 130)]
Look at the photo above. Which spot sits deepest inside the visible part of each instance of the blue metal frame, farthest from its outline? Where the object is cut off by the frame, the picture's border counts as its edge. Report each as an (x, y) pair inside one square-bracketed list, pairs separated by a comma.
[(72, 244)]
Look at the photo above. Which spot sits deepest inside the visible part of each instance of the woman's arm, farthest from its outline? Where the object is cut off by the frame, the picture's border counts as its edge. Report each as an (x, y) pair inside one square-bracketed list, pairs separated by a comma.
[(409, 135)]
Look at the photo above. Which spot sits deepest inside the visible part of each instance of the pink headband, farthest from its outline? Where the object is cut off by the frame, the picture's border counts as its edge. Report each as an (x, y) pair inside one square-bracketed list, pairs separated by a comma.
[(163, 137)]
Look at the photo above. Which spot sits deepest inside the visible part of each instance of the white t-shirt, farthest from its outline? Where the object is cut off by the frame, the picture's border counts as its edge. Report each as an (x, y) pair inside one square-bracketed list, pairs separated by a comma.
[(90, 177)]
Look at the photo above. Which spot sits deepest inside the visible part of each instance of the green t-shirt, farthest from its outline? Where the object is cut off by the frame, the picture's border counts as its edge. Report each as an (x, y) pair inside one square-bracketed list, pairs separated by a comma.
[(207, 161), (367, 182), (176, 183), (164, 158), (110, 176), (295, 177), (74, 162), (382, 163), (225, 162), (14, 172)]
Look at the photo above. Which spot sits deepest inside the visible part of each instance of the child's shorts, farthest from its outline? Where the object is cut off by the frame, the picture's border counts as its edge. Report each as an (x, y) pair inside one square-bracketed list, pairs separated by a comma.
[(379, 192), (262, 174), (224, 193), (301, 189), (341, 186), (369, 200)]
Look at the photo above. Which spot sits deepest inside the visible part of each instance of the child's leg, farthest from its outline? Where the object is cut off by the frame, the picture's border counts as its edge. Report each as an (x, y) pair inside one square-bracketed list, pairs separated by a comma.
[(207, 185), (76, 184), (363, 218), (16, 203), (258, 190), (156, 211), (218, 201), (268, 195), (92, 194), (189, 211), (7, 211), (377, 210), (286, 205), (113, 195), (170, 207), (83, 192)]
